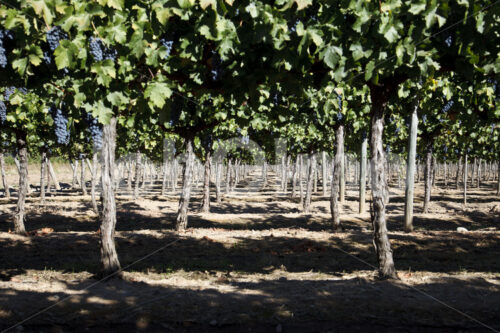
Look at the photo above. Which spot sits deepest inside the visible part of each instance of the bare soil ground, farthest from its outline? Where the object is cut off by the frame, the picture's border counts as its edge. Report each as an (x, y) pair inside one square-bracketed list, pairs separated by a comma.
[(256, 263)]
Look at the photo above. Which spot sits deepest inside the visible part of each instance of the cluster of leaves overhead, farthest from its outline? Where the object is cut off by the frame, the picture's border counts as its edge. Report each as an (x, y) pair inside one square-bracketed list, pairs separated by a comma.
[(270, 68)]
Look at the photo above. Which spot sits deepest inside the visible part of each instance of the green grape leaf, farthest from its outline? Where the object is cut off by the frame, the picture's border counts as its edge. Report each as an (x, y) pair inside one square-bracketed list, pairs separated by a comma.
[(157, 93)]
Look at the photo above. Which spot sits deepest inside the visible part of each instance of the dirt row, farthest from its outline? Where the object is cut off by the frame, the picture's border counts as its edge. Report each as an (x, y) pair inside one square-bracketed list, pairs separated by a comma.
[(255, 263)]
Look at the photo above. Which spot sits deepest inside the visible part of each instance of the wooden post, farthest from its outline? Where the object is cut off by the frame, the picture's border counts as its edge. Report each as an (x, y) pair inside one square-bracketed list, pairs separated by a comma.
[(182, 218), (362, 173)]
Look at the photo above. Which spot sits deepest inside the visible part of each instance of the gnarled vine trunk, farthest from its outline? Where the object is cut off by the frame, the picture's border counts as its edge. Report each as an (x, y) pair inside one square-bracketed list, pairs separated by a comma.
[(182, 212), (337, 169), (428, 174), (301, 187), (342, 172), (324, 172), (309, 188), (478, 174), (109, 257), (228, 176), (205, 207), (466, 171), (137, 174), (22, 148), (445, 173), (457, 176), (380, 193), (4, 177), (283, 166), (315, 176), (129, 176), (82, 177)]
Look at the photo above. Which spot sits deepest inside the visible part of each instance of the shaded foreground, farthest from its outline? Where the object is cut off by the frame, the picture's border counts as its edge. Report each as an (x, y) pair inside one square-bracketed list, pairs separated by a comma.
[(254, 264)]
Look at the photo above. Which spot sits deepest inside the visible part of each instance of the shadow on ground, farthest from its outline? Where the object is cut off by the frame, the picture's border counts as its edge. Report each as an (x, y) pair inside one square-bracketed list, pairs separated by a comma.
[(307, 304)]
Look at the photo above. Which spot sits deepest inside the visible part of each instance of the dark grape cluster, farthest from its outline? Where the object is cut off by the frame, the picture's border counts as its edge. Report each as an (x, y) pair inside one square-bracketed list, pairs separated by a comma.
[(496, 88), (448, 41), (61, 122), (340, 116), (3, 107), (8, 92), (3, 112), (277, 98), (293, 26), (96, 49), (100, 52), (47, 58), (54, 36), (175, 111), (168, 45), (207, 141), (448, 106), (95, 131), (216, 67), (4, 36)]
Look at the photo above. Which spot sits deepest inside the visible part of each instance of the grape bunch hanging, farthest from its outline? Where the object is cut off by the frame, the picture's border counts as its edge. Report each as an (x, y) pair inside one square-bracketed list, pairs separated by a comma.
[(4, 36), (216, 67), (95, 131), (54, 37), (448, 106), (3, 107), (100, 52), (61, 124), (168, 45)]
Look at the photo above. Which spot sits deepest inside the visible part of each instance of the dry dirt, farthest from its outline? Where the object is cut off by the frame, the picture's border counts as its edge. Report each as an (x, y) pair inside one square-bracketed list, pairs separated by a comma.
[(256, 263)]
